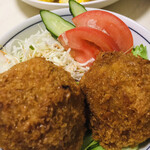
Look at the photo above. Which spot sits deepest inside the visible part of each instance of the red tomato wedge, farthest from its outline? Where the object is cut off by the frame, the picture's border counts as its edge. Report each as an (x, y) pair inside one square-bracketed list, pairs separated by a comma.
[(109, 24), (86, 43)]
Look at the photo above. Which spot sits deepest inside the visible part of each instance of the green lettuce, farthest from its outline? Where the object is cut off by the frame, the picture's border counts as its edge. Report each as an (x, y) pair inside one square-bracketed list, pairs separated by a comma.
[(140, 51), (94, 146)]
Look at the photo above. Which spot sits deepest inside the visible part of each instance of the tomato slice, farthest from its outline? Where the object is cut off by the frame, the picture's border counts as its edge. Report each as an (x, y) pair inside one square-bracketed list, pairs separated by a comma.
[(82, 57), (86, 43), (108, 23)]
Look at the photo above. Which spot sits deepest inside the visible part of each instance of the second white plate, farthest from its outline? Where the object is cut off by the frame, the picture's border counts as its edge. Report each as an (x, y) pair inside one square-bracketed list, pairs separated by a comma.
[(52, 5)]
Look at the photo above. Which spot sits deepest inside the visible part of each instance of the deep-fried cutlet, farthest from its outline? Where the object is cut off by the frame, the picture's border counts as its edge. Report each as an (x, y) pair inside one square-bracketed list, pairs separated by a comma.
[(41, 108), (117, 89)]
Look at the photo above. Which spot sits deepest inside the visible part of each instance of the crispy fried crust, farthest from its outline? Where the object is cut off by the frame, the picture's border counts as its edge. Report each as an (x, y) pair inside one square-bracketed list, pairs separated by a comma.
[(41, 108), (117, 89)]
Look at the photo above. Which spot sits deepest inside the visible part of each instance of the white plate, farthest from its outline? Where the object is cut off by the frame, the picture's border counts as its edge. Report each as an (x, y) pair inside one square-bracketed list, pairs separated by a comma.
[(31, 26), (52, 5)]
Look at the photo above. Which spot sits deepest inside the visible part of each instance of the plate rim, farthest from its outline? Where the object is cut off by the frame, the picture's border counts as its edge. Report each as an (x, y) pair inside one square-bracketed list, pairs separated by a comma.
[(66, 4)]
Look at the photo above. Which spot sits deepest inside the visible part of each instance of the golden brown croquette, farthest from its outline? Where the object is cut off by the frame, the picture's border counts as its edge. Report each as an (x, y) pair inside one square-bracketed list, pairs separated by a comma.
[(117, 89), (41, 108)]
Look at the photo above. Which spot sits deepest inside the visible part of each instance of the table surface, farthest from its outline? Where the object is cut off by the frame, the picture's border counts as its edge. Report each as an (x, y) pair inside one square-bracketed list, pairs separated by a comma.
[(13, 12)]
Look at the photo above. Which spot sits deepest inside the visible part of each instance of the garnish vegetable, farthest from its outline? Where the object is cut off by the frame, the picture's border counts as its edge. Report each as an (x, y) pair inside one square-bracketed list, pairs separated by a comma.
[(55, 24), (140, 51), (109, 24), (109, 33), (76, 8), (86, 43)]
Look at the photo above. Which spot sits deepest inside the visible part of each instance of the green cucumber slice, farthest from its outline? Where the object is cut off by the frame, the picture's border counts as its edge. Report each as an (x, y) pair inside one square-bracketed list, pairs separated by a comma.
[(55, 24), (76, 8)]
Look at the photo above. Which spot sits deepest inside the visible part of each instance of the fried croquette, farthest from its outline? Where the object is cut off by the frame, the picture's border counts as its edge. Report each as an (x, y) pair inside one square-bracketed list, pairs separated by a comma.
[(117, 89), (41, 108)]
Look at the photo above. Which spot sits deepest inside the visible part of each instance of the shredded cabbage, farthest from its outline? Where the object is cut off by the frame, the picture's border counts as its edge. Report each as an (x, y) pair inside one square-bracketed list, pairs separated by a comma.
[(42, 44), (6, 61)]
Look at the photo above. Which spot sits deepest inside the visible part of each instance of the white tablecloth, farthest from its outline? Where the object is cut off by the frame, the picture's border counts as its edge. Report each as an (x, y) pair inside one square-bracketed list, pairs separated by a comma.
[(13, 12)]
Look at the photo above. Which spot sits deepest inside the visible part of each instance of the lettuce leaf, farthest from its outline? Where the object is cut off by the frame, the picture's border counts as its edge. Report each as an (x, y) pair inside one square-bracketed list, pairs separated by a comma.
[(94, 146), (140, 51)]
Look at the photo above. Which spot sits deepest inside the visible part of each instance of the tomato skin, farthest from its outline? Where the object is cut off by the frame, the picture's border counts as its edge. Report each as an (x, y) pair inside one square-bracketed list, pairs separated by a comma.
[(82, 57), (108, 23), (86, 41)]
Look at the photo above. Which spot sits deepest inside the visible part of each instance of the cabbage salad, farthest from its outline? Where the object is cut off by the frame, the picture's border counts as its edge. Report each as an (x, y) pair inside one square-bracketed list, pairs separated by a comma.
[(41, 44)]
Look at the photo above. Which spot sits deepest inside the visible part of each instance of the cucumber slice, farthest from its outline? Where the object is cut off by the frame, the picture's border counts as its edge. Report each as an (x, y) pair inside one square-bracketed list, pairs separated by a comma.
[(54, 23), (76, 8)]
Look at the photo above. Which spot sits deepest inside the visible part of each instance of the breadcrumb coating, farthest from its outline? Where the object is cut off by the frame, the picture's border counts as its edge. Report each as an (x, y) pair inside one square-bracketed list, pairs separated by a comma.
[(41, 108), (117, 89)]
